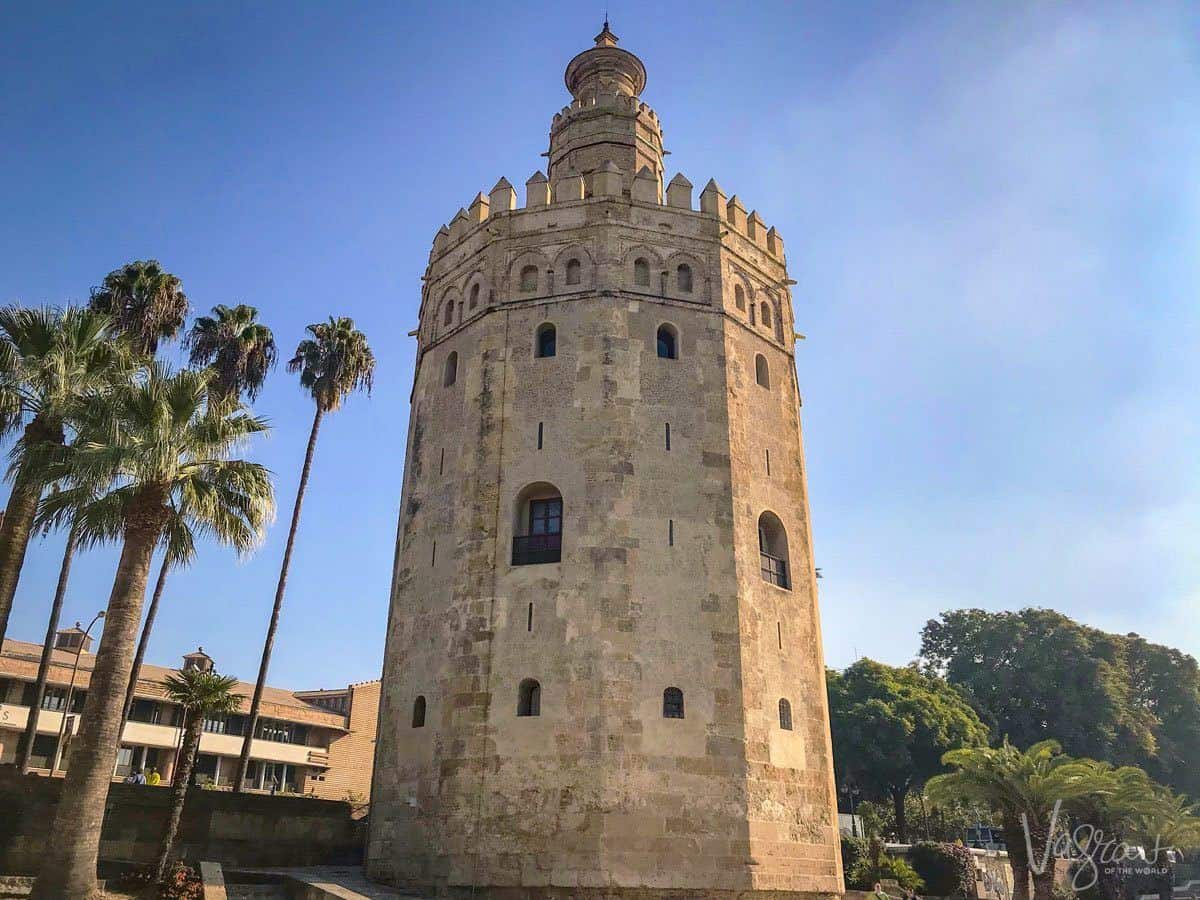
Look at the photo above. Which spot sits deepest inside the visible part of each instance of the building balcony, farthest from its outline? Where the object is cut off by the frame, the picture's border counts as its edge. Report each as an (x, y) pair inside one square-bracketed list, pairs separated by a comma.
[(533, 549), (774, 570)]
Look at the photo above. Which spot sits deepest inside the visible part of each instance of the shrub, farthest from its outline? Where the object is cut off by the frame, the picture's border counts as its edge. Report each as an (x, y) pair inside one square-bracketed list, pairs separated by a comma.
[(853, 849), (869, 870), (947, 869)]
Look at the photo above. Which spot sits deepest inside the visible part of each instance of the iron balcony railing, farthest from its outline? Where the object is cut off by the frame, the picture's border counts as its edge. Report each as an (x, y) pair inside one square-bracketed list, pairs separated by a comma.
[(774, 570), (531, 549)]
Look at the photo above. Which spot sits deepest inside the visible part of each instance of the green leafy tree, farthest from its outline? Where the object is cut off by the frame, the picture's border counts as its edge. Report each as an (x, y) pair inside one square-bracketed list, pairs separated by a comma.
[(50, 360), (202, 695), (156, 445), (891, 727), (146, 303), (1021, 789), (334, 362), (1036, 674)]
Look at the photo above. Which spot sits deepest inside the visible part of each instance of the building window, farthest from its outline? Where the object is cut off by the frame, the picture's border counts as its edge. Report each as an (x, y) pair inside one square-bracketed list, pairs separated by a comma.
[(765, 314), (145, 711), (537, 532), (739, 298), (641, 273), (474, 302), (667, 342), (785, 715), (53, 698), (762, 374), (448, 313), (418, 719), (529, 698), (574, 272), (683, 278), (529, 279), (773, 550), (672, 703), (281, 732), (546, 341), (450, 375)]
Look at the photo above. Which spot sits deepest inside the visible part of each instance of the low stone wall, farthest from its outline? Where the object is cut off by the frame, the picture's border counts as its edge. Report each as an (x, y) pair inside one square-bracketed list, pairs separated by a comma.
[(232, 829)]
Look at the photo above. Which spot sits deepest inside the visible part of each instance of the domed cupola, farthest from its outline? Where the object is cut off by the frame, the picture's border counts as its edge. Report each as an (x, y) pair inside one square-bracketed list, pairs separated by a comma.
[(606, 121)]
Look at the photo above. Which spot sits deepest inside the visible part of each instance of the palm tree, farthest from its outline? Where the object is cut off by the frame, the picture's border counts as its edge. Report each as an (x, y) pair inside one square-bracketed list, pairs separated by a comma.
[(240, 351), (160, 444), (49, 360), (332, 363), (202, 695), (1022, 790), (239, 348), (146, 303)]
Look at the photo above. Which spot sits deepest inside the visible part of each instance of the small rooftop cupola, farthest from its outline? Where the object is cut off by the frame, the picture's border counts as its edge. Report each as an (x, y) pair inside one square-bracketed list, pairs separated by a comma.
[(73, 640), (607, 121), (197, 662), (605, 69)]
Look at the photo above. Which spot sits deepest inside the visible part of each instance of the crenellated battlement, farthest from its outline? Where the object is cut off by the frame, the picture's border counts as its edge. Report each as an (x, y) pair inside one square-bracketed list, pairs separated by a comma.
[(607, 183)]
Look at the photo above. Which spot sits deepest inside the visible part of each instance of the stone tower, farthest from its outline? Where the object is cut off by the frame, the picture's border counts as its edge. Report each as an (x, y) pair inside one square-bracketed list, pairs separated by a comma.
[(603, 673)]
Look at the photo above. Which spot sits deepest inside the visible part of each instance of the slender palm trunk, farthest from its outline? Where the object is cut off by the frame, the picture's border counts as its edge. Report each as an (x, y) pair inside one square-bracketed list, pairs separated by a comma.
[(252, 721), (898, 796), (19, 515), (1014, 838), (69, 861), (179, 788), (140, 656), (39, 686)]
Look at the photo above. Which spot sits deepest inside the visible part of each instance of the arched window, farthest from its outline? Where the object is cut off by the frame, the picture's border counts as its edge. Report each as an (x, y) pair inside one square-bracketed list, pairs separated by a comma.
[(574, 272), (538, 525), (739, 298), (448, 313), (785, 715), (761, 373), (419, 713), (546, 341), (672, 703), (641, 273), (474, 301), (529, 278), (773, 550), (764, 310), (683, 278), (450, 375), (529, 698), (668, 342)]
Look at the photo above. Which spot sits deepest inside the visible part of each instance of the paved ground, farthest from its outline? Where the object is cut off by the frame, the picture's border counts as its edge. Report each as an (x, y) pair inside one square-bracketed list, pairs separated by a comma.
[(342, 882)]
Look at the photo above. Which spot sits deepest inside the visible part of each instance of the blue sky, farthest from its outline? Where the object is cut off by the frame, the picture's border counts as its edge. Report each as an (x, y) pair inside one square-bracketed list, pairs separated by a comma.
[(991, 212)]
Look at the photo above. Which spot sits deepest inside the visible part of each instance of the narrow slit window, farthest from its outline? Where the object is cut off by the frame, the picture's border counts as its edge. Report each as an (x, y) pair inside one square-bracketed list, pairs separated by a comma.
[(667, 343), (540, 424), (672, 703), (768, 462), (547, 341), (529, 619), (779, 633), (442, 462), (418, 717), (668, 435), (433, 555), (670, 532), (529, 698)]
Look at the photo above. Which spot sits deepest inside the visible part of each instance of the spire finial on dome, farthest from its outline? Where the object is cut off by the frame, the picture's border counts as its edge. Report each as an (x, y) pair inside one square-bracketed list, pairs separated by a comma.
[(606, 38)]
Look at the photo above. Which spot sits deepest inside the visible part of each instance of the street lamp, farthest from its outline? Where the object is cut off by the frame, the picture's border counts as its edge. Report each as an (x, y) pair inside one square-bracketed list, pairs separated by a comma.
[(62, 727)]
